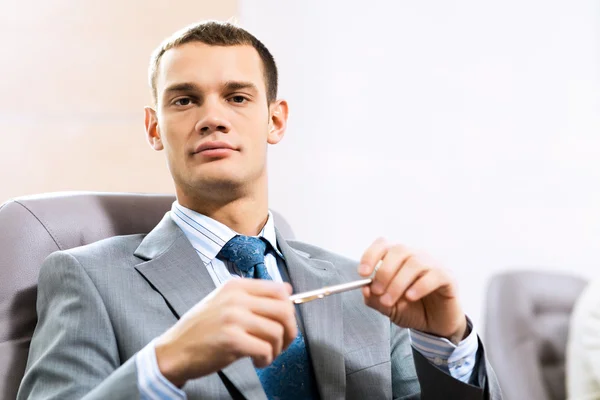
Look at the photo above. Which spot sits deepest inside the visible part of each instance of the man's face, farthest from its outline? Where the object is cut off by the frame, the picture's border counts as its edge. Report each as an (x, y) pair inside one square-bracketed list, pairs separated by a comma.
[(212, 117)]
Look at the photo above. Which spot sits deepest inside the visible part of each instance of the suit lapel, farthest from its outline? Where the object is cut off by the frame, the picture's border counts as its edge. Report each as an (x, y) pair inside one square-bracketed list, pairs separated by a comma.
[(322, 320), (175, 270)]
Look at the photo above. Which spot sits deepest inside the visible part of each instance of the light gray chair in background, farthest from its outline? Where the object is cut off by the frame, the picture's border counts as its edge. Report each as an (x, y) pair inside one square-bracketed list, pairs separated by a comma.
[(33, 227), (526, 328)]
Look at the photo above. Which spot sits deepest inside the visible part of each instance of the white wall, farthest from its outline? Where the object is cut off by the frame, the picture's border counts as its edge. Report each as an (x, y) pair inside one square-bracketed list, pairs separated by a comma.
[(465, 128)]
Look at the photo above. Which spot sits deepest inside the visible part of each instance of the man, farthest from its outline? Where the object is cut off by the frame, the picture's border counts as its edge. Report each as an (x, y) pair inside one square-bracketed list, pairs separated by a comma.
[(583, 347), (163, 315)]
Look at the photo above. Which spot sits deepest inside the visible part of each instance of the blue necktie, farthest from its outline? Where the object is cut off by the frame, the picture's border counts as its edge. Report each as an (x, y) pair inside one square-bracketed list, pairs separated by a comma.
[(290, 375)]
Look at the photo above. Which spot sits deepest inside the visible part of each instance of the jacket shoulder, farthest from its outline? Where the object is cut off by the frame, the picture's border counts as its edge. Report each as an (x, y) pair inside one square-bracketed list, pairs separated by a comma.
[(110, 251)]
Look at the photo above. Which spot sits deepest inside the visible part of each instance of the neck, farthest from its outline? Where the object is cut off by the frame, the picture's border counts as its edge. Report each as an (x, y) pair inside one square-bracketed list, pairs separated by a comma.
[(246, 214)]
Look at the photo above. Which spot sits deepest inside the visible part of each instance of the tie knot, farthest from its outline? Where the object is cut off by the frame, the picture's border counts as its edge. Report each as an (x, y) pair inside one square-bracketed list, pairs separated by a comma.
[(245, 252)]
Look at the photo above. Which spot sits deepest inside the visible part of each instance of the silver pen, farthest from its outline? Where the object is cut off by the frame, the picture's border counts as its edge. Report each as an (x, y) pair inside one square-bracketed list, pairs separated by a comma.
[(327, 290)]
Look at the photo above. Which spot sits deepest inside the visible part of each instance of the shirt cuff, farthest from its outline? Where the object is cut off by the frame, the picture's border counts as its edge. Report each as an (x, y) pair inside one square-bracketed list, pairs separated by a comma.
[(456, 360), (151, 383)]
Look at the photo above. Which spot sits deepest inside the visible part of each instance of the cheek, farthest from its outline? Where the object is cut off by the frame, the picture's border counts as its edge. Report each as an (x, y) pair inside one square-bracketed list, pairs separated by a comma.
[(258, 154), (258, 140), (175, 132)]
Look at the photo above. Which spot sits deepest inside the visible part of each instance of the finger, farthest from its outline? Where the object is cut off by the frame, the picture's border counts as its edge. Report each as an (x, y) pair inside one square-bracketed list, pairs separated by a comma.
[(366, 290), (288, 288), (267, 330), (412, 269), (248, 345), (392, 262), (374, 302), (280, 311), (260, 287), (428, 283), (393, 312), (371, 256)]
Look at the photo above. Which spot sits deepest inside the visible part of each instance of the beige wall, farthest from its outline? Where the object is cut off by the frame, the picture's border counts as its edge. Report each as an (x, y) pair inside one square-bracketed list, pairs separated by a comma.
[(73, 89)]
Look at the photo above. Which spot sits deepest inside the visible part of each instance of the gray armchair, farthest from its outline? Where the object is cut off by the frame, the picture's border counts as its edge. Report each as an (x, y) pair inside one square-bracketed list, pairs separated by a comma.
[(526, 328), (33, 227)]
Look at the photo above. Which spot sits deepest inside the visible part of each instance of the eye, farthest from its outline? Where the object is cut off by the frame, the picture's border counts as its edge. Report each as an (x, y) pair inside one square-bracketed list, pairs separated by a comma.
[(184, 101), (238, 99)]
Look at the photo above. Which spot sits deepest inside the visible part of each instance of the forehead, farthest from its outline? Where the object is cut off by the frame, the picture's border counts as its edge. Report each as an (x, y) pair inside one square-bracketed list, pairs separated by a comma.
[(209, 66)]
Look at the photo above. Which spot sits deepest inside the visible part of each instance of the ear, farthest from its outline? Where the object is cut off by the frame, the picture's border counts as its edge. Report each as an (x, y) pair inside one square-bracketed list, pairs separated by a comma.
[(278, 115), (152, 130)]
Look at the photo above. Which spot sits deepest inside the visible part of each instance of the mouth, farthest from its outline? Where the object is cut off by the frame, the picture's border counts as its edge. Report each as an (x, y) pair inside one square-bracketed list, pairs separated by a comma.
[(214, 149)]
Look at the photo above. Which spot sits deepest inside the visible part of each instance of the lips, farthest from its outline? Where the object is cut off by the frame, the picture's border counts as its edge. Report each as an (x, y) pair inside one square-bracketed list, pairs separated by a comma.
[(216, 145)]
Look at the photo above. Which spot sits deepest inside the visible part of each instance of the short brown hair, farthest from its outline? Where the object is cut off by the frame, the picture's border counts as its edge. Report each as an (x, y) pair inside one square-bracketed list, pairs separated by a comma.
[(215, 33)]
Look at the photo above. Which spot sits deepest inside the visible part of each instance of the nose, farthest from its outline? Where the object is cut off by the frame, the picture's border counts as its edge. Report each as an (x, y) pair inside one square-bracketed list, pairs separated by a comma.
[(213, 124), (212, 121)]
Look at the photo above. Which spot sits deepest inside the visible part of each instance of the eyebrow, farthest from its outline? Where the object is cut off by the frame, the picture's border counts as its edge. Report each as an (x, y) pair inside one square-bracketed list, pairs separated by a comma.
[(181, 87), (239, 85)]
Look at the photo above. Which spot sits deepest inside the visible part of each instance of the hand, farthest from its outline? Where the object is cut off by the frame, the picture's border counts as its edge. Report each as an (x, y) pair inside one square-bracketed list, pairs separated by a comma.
[(412, 292), (243, 318)]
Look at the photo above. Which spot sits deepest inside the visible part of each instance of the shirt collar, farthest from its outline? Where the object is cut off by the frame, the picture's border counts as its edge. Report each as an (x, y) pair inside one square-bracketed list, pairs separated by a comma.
[(208, 236)]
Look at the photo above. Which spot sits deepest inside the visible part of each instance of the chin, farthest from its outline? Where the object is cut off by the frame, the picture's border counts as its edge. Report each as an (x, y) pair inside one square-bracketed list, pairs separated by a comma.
[(213, 181), (221, 179), (221, 173)]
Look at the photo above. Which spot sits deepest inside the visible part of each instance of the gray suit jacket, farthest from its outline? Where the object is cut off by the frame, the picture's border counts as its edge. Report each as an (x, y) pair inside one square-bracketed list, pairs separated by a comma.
[(98, 305)]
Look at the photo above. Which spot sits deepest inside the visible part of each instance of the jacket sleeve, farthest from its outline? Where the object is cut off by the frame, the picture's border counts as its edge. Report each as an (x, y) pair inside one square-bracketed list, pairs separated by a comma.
[(433, 383), (73, 352)]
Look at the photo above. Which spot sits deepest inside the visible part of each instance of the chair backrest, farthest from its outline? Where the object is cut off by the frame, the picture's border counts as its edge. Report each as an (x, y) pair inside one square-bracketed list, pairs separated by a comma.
[(526, 329), (33, 227)]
